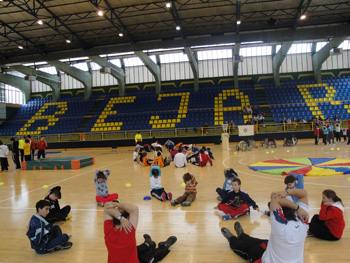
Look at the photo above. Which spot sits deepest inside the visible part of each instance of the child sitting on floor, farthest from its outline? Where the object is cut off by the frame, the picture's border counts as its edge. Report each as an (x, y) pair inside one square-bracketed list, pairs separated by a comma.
[(145, 160), (291, 181), (190, 191), (329, 224), (43, 236), (230, 174), (173, 152), (156, 185), (237, 202), (56, 213), (136, 154), (294, 181), (158, 161), (102, 194), (210, 154)]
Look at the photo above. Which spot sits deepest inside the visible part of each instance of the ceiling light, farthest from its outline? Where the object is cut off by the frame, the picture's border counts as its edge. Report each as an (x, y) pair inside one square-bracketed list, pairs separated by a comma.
[(20, 47), (178, 27), (68, 41), (303, 17), (40, 22), (99, 12), (238, 22), (121, 34), (168, 5)]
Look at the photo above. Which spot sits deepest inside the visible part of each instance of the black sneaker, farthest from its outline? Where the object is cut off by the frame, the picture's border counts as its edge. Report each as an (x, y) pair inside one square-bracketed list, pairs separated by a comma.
[(174, 203), (238, 229), (149, 242), (66, 245), (226, 233), (168, 243), (186, 203), (116, 201)]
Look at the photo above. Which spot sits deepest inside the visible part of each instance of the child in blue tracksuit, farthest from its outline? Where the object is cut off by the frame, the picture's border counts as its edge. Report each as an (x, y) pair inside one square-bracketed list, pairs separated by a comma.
[(43, 236), (294, 181), (157, 190), (230, 174)]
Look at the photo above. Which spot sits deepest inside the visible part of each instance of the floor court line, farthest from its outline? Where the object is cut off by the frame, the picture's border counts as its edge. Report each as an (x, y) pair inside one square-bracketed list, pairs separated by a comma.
[(63, 180)]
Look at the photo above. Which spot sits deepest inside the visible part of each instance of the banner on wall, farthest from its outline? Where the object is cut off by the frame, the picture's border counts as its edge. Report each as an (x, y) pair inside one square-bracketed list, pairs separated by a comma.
[(246, 130)]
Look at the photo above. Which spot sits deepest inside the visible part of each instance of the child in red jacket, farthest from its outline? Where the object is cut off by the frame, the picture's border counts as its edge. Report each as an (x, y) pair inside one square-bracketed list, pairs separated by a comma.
[(316, 133), (329, 224)]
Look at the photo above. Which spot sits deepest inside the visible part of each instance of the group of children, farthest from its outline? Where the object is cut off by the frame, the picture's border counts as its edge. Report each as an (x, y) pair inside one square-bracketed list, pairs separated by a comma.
[(329, 224), (234, 202), (25, 147), (329, 132)]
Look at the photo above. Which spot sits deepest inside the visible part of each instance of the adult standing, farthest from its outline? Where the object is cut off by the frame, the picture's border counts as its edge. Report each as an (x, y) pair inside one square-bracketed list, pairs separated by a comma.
[(288, 232), (138, 138), (120, 223), (21, 143), (15, 153), (42, 146), (32, 146)]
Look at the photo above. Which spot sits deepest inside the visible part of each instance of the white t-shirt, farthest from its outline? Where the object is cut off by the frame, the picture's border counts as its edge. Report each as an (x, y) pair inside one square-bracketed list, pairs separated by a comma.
[(135, 155), (180, 160), (156, 183), (286, 242)]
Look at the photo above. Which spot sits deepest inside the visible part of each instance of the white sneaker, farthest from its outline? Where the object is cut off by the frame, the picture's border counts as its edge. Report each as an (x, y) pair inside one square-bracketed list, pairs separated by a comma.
[(264, 211)]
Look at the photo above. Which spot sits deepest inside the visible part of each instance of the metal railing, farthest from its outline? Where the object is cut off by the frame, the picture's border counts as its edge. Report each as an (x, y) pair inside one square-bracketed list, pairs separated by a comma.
[(171, 132)]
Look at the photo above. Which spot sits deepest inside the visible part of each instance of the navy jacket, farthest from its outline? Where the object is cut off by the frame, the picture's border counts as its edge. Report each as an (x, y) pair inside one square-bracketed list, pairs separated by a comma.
[(236, 199)]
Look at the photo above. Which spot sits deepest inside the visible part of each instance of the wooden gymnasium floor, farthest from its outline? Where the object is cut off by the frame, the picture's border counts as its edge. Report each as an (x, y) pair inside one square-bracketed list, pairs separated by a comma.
[(197, 227)]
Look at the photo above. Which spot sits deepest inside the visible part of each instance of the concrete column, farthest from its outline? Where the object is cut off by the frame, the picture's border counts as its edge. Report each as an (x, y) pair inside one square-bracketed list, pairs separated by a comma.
[(194, 66), (80, 75), (18, 83), (53, 81), (321, 56), (277, 61), (115, 71), (152, 67), (236, 64)]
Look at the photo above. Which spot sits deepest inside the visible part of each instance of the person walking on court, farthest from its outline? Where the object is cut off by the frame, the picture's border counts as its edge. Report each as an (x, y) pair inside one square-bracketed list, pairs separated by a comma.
[(15, 152)]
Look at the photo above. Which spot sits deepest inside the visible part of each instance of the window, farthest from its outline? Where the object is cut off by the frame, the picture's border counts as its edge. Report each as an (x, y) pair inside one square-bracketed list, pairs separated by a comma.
[(320, 45), (255, 51), (82, 66), (345, 45), (173, 57), (50, 70), (9, 94), (300, 48), (116, 62), (214, 54), (94, 66), (136, 61)]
